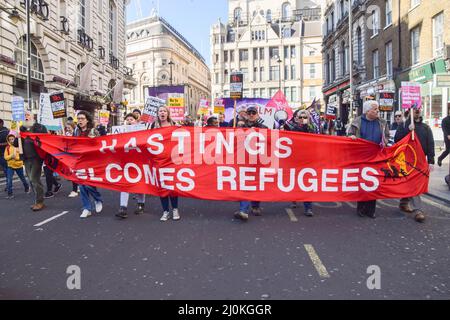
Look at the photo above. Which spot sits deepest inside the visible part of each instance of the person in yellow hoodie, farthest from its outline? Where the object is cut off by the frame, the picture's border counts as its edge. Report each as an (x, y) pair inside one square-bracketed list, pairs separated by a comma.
[(12, 157)]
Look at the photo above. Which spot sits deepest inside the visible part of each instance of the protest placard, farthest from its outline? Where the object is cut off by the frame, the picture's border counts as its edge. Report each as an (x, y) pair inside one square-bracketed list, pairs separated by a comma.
[(151, 107), (58, 105)]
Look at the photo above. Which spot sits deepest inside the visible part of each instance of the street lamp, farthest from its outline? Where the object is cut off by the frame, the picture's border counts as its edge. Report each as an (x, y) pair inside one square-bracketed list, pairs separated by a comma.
[(171, 64), (279, 71)]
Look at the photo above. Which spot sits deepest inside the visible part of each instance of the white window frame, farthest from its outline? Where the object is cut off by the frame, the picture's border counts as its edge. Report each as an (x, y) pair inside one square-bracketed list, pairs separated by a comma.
[(376, 63), (415, 49), (438, 39), (389, 60)]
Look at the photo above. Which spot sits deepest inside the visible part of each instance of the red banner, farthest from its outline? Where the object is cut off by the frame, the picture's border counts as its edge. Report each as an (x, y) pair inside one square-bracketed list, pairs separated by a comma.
[(240, 164)]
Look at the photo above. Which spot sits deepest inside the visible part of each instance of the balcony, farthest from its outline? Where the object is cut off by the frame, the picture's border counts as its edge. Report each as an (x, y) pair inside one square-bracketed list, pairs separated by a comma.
[(114, 62), (84, 40)]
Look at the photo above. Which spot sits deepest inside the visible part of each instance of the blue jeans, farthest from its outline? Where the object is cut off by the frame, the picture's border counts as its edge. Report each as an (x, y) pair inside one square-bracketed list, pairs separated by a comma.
[(244, 206), (86, 192), (9, 177), (165, 203), (4, 165), (307, 205)]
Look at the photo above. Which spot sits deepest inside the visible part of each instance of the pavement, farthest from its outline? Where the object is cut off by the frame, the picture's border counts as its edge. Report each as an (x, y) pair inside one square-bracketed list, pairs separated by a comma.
[(437, 186), (209, 255)]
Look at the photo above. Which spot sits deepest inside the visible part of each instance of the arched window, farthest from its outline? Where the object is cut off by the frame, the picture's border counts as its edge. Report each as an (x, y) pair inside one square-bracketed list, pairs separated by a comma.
[(359, 45), (237, 14), (286, 10), (20, 54), (269, 15)]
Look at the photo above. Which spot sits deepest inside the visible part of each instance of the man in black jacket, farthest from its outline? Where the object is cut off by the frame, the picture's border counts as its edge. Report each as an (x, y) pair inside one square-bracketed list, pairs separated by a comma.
[(425, 135), (446, 130), (32, 161), (3, 134)]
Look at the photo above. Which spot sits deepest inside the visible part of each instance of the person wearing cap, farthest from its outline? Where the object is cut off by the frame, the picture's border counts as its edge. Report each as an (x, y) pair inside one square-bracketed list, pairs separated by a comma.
[(399, 121), (33, 163), (138, 114), (425, 135), (253, 121), (241, 116), (15, 165), (369, 126)]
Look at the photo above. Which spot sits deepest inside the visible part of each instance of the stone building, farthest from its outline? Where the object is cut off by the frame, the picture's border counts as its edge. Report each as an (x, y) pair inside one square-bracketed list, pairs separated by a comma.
[(275, 44), (65, 35), (160, 56)]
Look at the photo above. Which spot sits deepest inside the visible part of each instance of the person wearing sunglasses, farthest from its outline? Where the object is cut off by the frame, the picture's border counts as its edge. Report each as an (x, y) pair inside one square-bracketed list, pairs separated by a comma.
[(399, 121), (301, 122), (253, 121)]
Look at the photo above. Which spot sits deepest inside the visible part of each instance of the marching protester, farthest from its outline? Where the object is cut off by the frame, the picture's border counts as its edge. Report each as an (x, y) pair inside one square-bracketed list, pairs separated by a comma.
[(446, 130), (138, 114), (398, 121), (162, 121), (369, 126), (425, 136), (241, 116), (33, 163), (68, 132), (53, 186), (252, 121), (198, 122), (85, 128), (222, 122), (339, 127), (301, 122), (130, 119), (12, 157), (212, 122), (3, 144)]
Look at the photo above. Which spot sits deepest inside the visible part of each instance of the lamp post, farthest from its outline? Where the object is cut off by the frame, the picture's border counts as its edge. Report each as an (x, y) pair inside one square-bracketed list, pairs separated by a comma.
[(27, 9), (170, 64), (279, 72)]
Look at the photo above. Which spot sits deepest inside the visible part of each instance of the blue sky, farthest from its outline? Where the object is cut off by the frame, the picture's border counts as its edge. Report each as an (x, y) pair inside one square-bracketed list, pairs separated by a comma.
[(192, 18)]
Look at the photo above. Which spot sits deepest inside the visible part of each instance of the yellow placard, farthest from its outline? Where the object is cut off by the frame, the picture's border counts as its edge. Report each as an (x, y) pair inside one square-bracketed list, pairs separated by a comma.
[(176, 102), (218, 109)]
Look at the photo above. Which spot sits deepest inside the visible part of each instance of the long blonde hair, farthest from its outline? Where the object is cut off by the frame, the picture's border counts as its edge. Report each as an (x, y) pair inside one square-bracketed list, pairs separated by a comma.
[(157, 123)]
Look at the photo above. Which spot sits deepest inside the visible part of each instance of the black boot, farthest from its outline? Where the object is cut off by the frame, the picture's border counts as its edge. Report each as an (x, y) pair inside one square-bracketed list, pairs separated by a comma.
[(122, 213), (139, 209)]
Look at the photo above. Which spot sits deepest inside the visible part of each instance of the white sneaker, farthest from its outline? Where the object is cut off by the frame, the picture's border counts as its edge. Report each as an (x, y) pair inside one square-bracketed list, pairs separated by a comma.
[(86, 213), (73, 194), (175, 214), (98, 206), (165, 216)]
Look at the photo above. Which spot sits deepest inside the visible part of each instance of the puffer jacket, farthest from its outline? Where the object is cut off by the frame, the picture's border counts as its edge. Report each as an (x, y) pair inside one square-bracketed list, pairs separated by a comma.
[(14, 162)]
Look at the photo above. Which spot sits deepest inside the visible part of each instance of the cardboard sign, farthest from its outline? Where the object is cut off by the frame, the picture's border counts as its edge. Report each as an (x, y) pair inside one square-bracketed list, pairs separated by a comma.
[(331, 112), (219, 106), (411, 95), (18, 109), (387, 101), (176, 106), (236, 85), (45, 114), (203, 107), (103, 117), (129, 128), (151, 108), (58, 105)]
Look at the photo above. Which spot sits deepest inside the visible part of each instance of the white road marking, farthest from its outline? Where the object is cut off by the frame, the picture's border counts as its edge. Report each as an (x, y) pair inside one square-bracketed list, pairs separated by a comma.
[(50, 219), (351, 204), (331, 205), (323, 273), (291, 214)]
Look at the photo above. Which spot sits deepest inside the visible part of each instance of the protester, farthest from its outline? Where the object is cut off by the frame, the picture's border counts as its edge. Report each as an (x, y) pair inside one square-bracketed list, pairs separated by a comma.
[(198, 122), (32, 161), (53, 186), (446, 130), (398, 121), (3, 144), (12, 157), (101, 129), (68, 132), (241, 115), (130, 119), (85, 128), (339, 127), (212, 122), (162, 121), (222, 122), (425, 135), (301, 122), (369, 127), (252, 121), (138, 114)]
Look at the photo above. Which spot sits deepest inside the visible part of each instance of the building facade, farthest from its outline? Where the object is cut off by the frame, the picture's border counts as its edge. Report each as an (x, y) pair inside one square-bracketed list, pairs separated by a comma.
[(275, 44), (65, 35), (160, 56)]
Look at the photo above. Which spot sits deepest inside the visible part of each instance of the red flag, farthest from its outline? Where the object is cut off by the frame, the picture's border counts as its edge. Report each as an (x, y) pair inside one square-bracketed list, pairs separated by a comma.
[(279, 102)]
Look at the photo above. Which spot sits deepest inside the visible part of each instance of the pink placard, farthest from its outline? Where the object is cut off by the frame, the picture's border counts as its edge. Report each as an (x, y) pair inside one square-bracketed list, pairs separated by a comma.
[(411, 95)]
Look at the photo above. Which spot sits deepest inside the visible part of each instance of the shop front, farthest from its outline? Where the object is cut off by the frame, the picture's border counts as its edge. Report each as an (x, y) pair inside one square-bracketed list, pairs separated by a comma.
[(339, 96), (384, 91)]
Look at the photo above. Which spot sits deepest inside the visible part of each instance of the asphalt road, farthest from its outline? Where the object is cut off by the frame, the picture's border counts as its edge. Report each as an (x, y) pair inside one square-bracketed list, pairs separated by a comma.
[(210, 255)]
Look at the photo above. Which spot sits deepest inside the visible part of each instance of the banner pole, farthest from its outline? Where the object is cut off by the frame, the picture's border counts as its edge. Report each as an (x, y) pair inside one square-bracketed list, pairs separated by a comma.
[(234, 114), (412, 122)]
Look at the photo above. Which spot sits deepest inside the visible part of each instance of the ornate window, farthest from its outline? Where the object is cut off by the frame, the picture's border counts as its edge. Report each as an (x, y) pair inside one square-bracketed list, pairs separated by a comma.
[(37, 69)]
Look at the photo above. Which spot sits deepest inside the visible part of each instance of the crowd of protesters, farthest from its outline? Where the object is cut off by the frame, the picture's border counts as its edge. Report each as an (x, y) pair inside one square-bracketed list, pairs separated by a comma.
[(369, 126)]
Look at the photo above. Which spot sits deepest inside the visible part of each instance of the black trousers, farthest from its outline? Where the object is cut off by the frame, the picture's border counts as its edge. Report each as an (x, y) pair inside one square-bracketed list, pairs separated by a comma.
[(50, 179), (367, 207)]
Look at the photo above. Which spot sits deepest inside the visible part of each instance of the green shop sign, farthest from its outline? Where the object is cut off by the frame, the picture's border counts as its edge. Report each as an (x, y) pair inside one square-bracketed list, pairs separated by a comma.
[(422, 74)]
